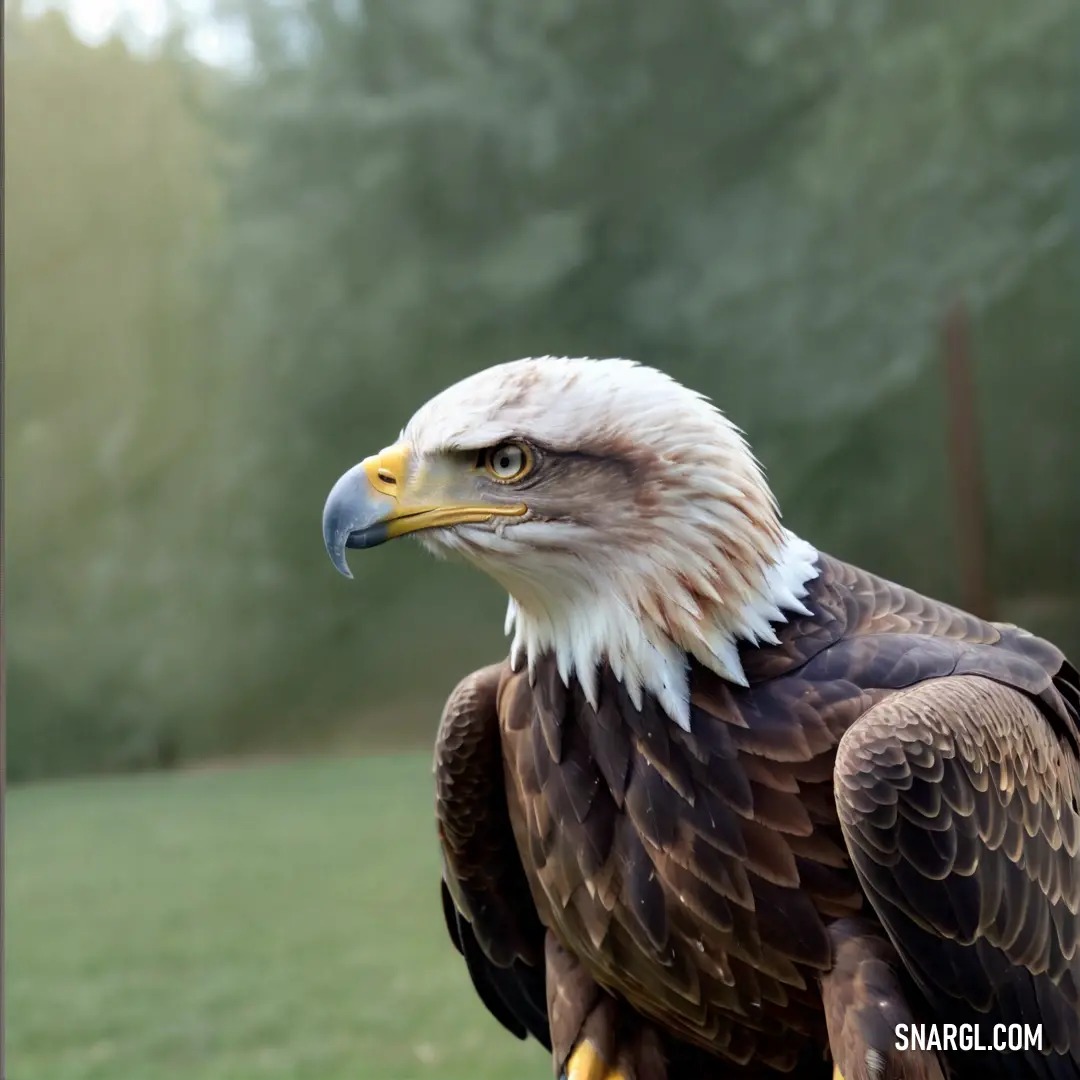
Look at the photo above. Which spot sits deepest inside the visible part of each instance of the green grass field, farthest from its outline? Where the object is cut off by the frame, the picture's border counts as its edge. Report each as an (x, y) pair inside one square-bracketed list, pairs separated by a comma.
[(270, 921)]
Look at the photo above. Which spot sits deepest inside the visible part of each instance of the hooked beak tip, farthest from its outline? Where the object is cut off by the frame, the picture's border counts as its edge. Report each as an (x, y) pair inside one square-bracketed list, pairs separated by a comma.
[(336, 540), (355, 516), (341, 565)]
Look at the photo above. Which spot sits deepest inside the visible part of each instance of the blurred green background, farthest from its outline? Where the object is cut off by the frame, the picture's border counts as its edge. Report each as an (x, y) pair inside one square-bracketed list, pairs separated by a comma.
[(245, 240)]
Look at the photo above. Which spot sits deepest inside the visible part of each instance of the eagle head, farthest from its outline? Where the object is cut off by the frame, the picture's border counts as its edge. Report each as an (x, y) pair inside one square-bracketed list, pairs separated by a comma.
[(624, 514)]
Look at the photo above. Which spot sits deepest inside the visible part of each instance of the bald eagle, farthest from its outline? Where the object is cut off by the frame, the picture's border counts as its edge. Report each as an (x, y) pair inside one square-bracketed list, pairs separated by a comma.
[(731, 807)]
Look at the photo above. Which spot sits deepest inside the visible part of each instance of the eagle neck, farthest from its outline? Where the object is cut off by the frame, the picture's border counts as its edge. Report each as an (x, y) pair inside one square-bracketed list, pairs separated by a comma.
[(651, 656)]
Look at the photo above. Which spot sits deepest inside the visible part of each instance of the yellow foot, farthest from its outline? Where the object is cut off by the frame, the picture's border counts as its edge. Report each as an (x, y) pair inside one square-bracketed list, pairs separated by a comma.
[(836, 1073), (586, 1064)]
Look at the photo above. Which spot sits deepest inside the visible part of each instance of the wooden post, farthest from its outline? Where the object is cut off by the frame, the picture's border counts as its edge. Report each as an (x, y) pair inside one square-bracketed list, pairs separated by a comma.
[(965, 463)]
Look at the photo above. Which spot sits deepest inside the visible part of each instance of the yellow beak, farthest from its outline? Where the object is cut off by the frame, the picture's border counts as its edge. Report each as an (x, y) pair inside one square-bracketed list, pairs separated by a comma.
[(385, 496)]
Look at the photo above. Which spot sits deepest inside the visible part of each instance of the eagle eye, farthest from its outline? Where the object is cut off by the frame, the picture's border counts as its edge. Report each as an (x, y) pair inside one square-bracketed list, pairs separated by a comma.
[(507, 462)]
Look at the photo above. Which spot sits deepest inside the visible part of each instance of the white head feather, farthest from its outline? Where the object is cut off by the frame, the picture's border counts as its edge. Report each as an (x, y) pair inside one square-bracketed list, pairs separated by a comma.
[(660, 540)]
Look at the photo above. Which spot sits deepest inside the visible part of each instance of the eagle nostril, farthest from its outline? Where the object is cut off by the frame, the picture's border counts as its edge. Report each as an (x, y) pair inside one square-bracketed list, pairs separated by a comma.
[(387, 477)]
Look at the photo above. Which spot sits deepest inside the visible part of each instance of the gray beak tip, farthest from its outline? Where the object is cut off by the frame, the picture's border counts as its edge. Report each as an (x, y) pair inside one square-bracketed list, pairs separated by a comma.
[(352, 518), (336, 540), (336, 527)]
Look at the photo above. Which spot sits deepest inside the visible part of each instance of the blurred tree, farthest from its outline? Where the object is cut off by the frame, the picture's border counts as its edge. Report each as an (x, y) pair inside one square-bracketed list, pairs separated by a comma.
[(774, 202), (112, 200)]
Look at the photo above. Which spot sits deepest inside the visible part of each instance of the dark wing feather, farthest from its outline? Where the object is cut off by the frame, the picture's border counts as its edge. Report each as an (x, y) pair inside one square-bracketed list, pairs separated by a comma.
[(489, 911), (512, 995), (865, 1002), (959, 802)]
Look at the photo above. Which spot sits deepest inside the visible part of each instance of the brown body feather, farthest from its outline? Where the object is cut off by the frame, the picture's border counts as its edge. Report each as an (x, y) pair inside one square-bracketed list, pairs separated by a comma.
[(892, 758)]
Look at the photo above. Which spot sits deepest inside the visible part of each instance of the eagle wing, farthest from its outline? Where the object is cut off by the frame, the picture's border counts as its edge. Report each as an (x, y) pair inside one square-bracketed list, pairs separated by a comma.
[(958, 800), (489, 911)]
